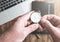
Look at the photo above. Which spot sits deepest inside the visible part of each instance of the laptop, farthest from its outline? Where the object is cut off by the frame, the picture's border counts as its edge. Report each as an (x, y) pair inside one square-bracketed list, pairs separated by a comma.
[(10, 9)]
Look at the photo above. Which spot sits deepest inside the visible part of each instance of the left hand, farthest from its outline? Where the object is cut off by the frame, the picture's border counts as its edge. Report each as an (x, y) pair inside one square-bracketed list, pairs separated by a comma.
[(23, 26), (20, 30)]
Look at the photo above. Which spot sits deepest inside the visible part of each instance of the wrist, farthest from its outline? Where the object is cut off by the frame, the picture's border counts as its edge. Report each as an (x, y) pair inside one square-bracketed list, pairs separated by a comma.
[(22, 34), (19, 35), (12, 35)]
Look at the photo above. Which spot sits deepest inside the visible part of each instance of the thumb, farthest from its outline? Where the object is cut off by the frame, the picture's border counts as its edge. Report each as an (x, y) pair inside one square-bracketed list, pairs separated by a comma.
[(32, 27), (46, 24)]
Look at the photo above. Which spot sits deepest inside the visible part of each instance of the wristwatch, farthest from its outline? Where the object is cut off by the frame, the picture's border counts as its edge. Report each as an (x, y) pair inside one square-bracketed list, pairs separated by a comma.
[(35, 16)]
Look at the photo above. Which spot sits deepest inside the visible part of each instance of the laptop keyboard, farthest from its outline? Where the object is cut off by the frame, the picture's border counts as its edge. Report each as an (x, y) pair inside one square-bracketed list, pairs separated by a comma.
[(5, 4)]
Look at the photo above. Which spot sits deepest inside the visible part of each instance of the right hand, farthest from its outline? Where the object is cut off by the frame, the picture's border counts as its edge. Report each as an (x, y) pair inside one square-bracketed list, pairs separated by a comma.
[(52, 24)]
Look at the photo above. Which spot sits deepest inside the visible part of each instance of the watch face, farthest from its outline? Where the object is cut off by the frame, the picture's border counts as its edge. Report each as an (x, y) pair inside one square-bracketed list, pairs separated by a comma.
[(35, 17)]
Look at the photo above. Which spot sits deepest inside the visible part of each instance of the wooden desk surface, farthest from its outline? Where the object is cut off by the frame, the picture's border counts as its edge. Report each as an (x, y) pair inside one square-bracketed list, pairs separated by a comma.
[(32, 37)]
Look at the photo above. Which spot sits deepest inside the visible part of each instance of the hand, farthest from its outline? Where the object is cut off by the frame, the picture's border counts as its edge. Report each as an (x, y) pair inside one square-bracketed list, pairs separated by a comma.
[(52, 24), (20, 30)]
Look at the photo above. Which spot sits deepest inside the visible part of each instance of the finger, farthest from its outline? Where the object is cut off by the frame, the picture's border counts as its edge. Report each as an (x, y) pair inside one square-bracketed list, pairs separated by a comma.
[(46, 24), (55, 20), (28, 23), (32, 27), (40, 28)]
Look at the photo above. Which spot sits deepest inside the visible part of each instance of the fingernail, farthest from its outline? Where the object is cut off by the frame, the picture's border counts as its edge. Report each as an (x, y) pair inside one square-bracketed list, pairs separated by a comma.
[(36, 25)]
